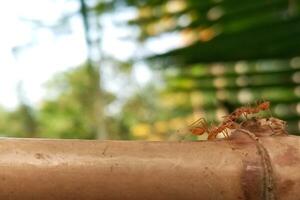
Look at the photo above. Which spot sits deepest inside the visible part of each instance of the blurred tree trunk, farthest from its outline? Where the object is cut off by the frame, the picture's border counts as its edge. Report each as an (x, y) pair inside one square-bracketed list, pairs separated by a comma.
[(28, 121), (94, 63)]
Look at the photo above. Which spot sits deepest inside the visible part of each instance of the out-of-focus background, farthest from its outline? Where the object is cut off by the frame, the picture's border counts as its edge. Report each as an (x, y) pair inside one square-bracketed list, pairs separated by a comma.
[(144, 69)]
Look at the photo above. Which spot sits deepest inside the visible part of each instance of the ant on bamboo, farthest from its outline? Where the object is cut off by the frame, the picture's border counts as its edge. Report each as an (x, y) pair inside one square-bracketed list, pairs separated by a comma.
[(245, 111), (200, 126), (223, 128)]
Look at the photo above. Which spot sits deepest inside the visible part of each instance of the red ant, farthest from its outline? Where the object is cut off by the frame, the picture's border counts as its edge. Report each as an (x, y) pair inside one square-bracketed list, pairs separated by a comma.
[(247, 111), (228, 123), (199, 130), (221, 129), (213, 132)]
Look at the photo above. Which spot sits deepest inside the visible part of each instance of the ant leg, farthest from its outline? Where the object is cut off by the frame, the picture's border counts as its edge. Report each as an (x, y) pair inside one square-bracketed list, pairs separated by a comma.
[(205, 125), (223, 133), (245, 115), (248, 109), (260, 101), (211, 136), (197, 121), (226, 133), (270, 112), (201, 121)]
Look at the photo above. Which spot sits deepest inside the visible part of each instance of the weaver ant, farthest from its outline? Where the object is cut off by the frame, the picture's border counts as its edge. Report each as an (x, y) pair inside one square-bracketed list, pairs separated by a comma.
[(247, 111), (212, 132), (228, 123), (223, 128), (197, 129)]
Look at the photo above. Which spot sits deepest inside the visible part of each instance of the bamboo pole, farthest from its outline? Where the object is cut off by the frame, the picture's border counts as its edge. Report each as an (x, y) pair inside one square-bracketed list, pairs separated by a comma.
[(242, 167)]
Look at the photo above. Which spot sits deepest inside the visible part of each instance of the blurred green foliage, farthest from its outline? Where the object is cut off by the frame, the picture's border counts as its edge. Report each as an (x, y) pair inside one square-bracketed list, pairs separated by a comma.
[(18, 123), (233, 53), (71, 113)]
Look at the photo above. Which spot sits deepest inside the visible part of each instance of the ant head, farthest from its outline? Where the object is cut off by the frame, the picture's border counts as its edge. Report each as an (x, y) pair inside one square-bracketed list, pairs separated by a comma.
[(264, 105)]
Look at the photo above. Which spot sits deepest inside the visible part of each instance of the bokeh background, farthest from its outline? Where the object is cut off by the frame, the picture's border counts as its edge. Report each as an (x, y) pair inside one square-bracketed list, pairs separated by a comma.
[(144, 69)]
